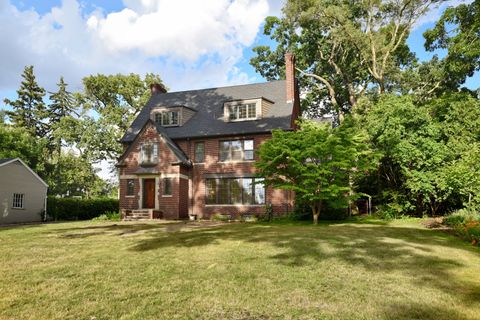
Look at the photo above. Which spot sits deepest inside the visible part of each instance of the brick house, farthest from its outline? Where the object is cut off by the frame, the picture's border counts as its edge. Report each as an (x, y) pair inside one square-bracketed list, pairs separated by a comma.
[(193, 152)]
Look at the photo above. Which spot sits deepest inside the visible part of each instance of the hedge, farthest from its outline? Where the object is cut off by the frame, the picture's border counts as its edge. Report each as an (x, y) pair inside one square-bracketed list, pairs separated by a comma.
[(79, 209)]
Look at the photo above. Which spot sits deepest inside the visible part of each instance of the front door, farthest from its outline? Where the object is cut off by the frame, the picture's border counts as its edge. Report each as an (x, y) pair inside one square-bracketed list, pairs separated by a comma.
[(149, 193)]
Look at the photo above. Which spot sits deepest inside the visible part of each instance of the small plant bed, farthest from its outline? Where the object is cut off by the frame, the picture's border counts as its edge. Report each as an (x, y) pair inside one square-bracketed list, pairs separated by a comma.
[(466, 224)]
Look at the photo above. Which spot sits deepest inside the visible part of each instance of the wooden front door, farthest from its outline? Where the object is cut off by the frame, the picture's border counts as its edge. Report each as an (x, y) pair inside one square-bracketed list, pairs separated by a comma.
[(149, 193)]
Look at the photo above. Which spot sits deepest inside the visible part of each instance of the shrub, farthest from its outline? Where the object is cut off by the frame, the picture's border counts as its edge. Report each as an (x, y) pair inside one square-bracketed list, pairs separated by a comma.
[(221, 217), (108, 216), (79, 209), (303, 212), (466, 223)]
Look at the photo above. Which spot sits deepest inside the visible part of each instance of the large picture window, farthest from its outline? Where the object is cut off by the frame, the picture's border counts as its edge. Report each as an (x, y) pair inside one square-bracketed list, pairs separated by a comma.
[(235, 191), (236, 150)]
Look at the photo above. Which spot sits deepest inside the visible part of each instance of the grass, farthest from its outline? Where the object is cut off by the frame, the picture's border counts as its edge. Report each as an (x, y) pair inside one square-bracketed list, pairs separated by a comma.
[(119, 270)]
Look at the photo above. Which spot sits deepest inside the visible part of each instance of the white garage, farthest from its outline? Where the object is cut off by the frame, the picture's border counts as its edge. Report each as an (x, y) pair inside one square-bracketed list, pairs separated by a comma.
[(23, 194)]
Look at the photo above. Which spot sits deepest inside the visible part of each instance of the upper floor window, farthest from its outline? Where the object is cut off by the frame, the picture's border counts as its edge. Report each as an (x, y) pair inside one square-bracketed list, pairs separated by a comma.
[(242, 112), (149, 153), (199, 152), (167, 118), (236, 150)]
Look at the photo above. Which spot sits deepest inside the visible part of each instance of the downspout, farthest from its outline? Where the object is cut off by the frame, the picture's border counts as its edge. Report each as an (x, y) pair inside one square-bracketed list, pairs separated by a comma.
[(45, 205)]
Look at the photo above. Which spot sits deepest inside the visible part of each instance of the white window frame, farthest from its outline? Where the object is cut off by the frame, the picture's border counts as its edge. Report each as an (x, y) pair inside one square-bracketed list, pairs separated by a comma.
[(166, 118), (233, 110), (18, 201), (164, 184), (154, 154), (229, 158)]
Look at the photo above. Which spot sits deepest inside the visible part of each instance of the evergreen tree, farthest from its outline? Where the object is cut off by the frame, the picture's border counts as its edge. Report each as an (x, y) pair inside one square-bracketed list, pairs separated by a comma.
[(62, 105), (29, 109)]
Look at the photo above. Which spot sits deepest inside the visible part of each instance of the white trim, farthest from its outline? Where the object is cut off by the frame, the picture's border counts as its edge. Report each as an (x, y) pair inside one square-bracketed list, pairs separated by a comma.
[(31, 171), (129, 176)]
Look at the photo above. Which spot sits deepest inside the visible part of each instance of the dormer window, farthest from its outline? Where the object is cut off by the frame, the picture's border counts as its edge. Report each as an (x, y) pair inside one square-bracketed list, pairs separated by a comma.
[(167, 118), (149, 153), (243, 112)]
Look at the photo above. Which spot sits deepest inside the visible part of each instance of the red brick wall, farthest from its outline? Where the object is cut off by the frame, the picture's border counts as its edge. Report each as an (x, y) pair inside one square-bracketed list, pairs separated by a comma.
[(184, 201), (128, 202), (281, 200)]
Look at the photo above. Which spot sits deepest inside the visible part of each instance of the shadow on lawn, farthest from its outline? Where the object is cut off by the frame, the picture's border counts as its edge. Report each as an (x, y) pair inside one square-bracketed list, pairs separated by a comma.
[(380, 249)]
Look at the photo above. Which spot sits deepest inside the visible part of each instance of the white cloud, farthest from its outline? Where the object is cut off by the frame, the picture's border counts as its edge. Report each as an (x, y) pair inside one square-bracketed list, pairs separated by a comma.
[(181, 29), (188, 42)]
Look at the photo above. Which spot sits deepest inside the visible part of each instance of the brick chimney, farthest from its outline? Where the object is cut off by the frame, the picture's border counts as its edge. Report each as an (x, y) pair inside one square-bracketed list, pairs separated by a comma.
[(156, 88), (290, 75)]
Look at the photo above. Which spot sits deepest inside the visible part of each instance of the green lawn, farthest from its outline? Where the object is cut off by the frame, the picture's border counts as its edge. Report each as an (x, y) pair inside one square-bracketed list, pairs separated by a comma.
[(107, 270)]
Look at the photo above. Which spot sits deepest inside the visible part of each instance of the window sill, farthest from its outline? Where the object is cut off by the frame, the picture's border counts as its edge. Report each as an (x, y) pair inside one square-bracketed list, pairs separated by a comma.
[(18, 208), (129, 196), (167, 196)]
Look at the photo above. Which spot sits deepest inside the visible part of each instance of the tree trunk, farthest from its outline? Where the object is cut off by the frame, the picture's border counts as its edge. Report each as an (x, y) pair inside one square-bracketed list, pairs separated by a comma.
[(316, 212), (315, 218)]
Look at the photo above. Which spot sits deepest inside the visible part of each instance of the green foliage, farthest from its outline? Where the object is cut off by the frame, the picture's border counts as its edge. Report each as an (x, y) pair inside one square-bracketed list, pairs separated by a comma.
[(117, 99), (72, 175), (108, 216), (17, 142), (80, 209), (29, 110), (221, 217), (342, 47), (319, 173), (466, 223), (458, 31), (61, 112), (429, 151)]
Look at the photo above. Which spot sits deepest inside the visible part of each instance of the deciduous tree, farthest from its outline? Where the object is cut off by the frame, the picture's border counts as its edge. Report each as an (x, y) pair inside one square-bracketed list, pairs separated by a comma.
[(316, 162)]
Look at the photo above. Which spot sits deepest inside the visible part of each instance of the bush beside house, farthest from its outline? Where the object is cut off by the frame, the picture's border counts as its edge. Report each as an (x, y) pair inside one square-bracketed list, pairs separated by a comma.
[(79, 209)]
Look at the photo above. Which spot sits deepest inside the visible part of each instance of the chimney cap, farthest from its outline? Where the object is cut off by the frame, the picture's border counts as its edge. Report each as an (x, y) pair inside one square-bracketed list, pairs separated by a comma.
[(156, 88)]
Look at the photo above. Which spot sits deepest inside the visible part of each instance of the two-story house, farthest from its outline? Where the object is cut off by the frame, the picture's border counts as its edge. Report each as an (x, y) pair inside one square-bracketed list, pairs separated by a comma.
[(193, 152)]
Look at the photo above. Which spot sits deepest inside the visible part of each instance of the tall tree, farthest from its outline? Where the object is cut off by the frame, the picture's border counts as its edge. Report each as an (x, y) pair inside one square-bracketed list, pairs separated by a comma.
[(29, 110), (426, 149), (458, 31), (62, 105), (117, 99), (343, 48), (319, 172), (18, 142)]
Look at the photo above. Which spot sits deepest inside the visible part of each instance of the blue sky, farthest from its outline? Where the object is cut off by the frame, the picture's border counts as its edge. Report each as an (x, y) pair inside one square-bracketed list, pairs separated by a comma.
[(190, 43)]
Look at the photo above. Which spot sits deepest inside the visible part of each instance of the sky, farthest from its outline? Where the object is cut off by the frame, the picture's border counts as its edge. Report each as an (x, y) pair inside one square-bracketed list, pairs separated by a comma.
[(191, 44)]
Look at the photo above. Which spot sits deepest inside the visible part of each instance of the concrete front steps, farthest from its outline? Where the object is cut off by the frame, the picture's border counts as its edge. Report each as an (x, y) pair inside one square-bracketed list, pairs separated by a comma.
[(140, 214)]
